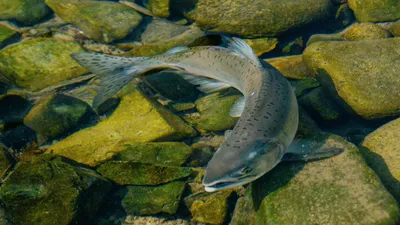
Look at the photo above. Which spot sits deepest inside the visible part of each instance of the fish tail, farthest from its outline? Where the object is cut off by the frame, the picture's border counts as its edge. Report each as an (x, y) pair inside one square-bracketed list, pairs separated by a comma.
[(114, 71)]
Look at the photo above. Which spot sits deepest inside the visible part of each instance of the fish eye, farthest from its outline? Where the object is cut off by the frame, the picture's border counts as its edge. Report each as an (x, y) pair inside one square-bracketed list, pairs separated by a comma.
[(246, 170)]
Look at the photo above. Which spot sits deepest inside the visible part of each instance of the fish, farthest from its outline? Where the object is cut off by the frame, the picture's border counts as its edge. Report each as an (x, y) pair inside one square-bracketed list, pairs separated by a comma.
[(268, 110)]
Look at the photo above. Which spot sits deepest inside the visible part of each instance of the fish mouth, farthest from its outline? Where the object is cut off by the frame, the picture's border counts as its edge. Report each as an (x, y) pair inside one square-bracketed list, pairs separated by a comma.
[(216, 186)]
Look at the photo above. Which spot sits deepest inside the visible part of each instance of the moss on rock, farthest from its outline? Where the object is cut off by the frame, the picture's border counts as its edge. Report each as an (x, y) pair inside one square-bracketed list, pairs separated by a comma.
[(101, 21), (27, 12), (123, 172), (395, 28), (375, 10), (50, 191), (262, 17), (37, 63), (146, 200), (364, 31), (159, 7), (381, 150), (290, 66), (5, 34), (360, 75), (137, 119), (262, 45)]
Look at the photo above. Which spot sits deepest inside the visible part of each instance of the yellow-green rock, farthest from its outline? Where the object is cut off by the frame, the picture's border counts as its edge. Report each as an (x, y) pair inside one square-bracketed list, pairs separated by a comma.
[(26, 12), (337, 190), (124, 172), (101, 21), (158, 153), (5, 33), (147, 200), (209, 208), (37, 63), (137, 119), (381, 150), (257, 18), (262, 45), (58, 114), (48, 191), (290, 66), (361, 75), (214, 111), (364, 31), (5, 160), (159, 7), (395, 28), (375, 10)]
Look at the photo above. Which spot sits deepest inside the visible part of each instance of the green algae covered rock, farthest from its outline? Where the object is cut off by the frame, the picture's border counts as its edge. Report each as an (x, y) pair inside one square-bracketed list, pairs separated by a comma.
[(5, 33), (123, 172), (319, 104), (375, 10), (214, 111), (395, 28), (101, 21), (361, 75), (262, 17), (26, 12), (158, 153), (149, 200), (37, 63), (365, 31), (381, 150), (262, 45), (209, 208), (5, 160), (49, 191), (290, 66), (56, 115), (136, 119), (159, 7), (338, 190)]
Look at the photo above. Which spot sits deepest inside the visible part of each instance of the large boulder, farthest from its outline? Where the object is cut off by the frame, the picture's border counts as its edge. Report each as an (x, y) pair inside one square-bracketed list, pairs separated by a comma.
[(375, 10), (37, 63), (26, 12), (362, 76), (257, 18), (137, 119)]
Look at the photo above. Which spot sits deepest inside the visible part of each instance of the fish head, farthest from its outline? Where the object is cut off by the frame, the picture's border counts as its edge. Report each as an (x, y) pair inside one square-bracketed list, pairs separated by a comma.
[(232, 167)]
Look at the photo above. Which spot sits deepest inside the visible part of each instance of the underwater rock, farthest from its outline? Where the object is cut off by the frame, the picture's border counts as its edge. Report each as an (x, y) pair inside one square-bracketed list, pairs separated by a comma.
[(179, 107), (27, 12), (214, 111), (304, 85), (290, 66), (150, 200), (14, 110), (365, 31), (263, 17), (162, 35), (307, 126), (360, 75), (125, 172), (321, 105), (37, 63), (5, 34), (262, 45), (136, 119), (210, 208), (50, 191), (375, 10), (101, 21), (338, 190), (395, 28), (5, 161), (157, 153), (56, 115), (159, 7), (381, 151), (19, 137)]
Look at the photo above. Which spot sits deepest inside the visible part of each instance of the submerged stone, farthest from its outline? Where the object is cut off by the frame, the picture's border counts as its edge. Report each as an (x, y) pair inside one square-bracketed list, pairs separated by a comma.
[(375, 10), (214, 111), (337, 190), (290, 66), (158, 153), (371, 87), (5, 160), (210, 208), (14, 110), (5, 34), (150, 200), (124, 172), (101, 21), (381, 150), (365, 31), (37, 63), (136, 119), (27, 12), (57, 115), (262, 45), (159, 7), (263, 17), (50, 191), (395, 28)]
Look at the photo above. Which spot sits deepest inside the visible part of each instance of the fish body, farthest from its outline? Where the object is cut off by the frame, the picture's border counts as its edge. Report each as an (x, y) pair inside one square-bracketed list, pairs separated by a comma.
[(268, 111)]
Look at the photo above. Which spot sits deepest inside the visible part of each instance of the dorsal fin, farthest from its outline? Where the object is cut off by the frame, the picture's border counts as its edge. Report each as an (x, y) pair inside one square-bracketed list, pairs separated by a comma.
[(239, 46)]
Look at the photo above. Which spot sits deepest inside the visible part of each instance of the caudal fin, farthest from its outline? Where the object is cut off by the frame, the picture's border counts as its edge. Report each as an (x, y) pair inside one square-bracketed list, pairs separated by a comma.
[(114, 71)]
